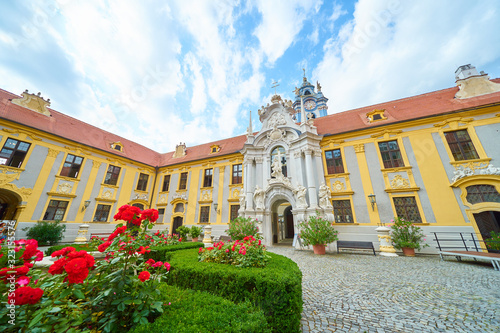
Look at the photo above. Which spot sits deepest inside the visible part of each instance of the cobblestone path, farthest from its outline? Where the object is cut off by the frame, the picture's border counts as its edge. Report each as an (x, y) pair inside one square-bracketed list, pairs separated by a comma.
[(363, 293)]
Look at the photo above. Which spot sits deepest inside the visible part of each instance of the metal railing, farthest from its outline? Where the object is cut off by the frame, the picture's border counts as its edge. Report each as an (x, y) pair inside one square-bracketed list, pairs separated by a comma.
[(462, 240)]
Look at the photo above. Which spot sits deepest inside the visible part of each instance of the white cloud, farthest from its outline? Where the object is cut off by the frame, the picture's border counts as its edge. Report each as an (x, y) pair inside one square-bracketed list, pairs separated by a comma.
[(396, 49), (281, 22)]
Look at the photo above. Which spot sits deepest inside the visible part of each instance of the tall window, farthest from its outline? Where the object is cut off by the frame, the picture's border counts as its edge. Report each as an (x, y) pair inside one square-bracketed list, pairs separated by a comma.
[(234, 212), (406, 208), (183, 181), (461, 145), (237, 174), (55, 210), (391, 154), (482, 193), (166, 183), (207, 180), (112, 175), (102, 213), (71, 166), (279, 151), (142, 184), (204, 214), (13, 153), (334, 161), (342, 211), (161, 215)]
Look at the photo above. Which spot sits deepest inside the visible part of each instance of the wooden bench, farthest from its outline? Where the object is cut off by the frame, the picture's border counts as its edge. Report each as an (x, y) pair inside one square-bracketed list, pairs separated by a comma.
[(494, 258), (341, 244)]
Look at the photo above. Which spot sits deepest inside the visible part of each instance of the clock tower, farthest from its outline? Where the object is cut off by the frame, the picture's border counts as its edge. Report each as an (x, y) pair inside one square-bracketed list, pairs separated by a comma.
[(314, 101)]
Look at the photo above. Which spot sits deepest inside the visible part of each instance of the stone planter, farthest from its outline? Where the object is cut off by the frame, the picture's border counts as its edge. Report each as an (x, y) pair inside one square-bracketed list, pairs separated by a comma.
[(194, 239), (319, 249)]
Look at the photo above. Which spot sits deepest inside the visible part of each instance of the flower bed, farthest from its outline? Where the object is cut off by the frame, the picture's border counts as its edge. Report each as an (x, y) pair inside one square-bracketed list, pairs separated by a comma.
[(276, 288), (194, 311)]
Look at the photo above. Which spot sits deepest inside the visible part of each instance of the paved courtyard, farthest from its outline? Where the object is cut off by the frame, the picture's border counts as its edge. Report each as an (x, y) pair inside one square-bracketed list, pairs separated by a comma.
[(363, 293)]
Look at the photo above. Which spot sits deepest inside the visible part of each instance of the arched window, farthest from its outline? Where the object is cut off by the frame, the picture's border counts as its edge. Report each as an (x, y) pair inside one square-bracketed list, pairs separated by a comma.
[(278, 152), (482, 193)]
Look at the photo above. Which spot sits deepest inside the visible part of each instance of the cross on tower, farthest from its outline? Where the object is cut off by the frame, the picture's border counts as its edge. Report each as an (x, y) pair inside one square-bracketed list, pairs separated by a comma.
[(275, 84)]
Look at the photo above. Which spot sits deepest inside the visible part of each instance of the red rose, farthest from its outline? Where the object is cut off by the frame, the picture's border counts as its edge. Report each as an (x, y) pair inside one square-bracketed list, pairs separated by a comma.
[(58, 266), (29, 252), (144, 275), (63, 252), (25, 295), (150, 214), (150, 262), (103, 246), (167, 266)]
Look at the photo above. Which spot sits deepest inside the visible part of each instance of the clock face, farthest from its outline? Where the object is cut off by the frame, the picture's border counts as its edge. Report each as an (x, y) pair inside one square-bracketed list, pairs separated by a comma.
[(309, 105)]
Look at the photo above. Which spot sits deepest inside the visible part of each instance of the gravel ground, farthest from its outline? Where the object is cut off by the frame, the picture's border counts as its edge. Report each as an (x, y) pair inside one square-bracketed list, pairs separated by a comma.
[(363, 293)]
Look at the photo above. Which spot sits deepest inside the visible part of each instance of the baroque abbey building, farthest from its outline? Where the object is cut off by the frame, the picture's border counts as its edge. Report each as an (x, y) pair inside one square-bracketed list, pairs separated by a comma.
[(433, 159)]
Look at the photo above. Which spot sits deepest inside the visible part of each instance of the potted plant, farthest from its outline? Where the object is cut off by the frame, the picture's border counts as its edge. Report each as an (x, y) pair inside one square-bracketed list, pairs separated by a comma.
[(493, 243), (182, 231), (318, 232), (407, 237), (195, 233)]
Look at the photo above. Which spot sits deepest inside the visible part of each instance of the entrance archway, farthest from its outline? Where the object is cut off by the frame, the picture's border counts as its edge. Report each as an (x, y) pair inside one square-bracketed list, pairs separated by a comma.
[(9, 201), (487, 222), (282, 223)]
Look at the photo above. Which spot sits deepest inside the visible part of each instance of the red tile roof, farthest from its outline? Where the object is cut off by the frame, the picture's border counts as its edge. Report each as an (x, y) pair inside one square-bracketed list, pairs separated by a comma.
[(425, 105)]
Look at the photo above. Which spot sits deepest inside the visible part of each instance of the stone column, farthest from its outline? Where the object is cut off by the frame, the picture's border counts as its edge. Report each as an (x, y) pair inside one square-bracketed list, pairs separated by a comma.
[(248, 183), (311, 187), (384, 237)]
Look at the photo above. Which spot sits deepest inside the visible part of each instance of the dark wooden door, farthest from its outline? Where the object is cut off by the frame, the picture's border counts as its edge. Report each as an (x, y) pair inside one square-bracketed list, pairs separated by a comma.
[(487, 222), (289, 224), (177, 223)]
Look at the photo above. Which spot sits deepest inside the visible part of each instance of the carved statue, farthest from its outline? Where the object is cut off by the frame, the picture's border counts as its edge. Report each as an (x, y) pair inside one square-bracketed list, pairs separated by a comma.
[(276, 167), (324, 196), (300, 193), (318, 86), (297, 92), (258, 198), (243, 204)]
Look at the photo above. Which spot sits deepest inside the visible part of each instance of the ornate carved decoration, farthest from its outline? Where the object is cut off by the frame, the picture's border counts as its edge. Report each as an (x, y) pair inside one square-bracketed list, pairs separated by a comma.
[(300, 194), (338, 186), (206, 195), (297, 153), (276, 120), (399, 182), (259, 160), (96, 164), (107, 194), (23, 191), (317, 152), (386, 134), (359, 148), (33, 102), (27, 133), (8, 177), (64, 188), (140, 196), (180, 195), (454, 122), (474, 168), (180, 150), (325, 195), (53, 152), (162, 200)]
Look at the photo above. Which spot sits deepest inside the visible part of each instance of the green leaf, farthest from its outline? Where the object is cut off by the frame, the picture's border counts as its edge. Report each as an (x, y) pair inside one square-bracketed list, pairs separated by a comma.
[(35, 320), (120, 307), (137, 301), (143, 320), (56, 309), (65, 293), (78, 293)]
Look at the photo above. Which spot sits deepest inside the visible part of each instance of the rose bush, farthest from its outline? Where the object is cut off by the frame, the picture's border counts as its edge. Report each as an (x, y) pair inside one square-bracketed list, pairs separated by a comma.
[(248, 252), (81, 294), (406, 234), (242, 227)]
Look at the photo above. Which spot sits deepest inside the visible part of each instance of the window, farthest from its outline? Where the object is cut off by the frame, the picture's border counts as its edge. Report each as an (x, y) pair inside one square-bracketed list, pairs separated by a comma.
[(118, 147), (166, 183), (55, 210), (161, 214), (71, 166), (179, 208), (342, 211), (204, 214), (207, 180), (334, 161), (461, 145), (406, 208), (237, 174), (234, 212), (142, 184), (278, 153), (13, 153), (183, 181), (391, 154), (377, 117), (102, 213), (112, 175), (482, 193)]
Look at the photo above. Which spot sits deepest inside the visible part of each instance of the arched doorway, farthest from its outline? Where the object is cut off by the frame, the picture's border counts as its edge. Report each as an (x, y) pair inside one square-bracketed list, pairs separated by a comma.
[(177, 223), (8, 204), (487, 222), (282, 223)]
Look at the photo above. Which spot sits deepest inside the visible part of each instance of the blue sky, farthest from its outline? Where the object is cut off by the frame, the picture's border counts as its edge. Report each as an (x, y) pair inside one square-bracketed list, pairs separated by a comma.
[(164, 72)]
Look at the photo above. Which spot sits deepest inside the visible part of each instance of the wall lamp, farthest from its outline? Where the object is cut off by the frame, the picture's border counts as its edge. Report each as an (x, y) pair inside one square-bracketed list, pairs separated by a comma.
[(216, 206), (373, 200), (86, 203)]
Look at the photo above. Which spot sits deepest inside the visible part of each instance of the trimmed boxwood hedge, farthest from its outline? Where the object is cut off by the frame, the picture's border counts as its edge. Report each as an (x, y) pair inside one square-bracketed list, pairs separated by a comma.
[(195, 311), (163, 253), (276, 288)]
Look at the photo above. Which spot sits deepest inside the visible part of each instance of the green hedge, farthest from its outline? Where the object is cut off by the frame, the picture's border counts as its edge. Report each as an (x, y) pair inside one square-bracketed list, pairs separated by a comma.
[(164, 253), (194, 311), (276, 289)]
